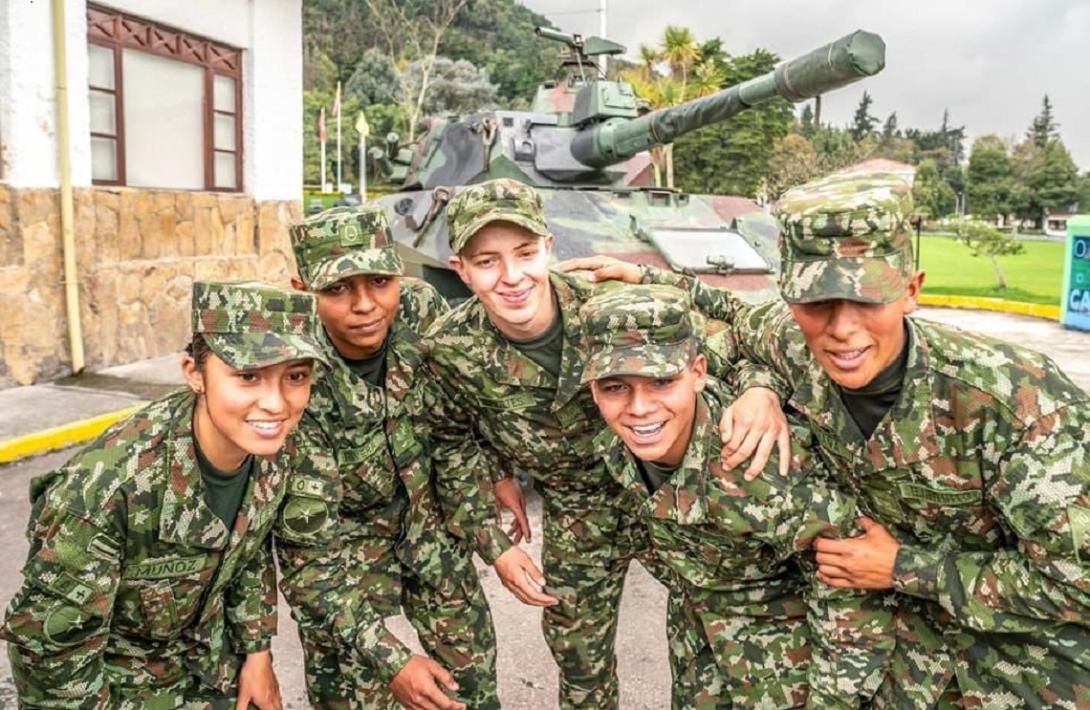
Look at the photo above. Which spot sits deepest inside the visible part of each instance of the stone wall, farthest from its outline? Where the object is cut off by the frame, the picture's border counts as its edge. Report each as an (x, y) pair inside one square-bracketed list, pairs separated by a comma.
[(138, 252)]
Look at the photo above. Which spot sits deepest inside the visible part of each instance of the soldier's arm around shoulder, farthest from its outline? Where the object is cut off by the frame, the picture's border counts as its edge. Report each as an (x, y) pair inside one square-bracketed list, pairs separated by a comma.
[(314, 562), (421, 304), (58, 622), (1040, 490)]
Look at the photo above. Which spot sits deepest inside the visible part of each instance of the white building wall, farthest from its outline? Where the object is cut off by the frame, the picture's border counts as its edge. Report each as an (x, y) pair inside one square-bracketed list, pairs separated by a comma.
[(28, 111), (269, 32)]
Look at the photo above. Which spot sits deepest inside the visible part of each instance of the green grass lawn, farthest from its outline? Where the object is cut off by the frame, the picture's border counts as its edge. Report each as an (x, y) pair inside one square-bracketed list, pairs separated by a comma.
[(1034, 276)]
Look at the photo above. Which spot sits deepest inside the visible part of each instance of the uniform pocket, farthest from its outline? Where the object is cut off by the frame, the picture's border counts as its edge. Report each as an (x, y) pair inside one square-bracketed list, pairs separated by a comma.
[(158, 597)]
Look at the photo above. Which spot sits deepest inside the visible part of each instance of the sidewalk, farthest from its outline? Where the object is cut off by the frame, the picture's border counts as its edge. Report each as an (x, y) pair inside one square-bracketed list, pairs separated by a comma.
[(73, 410)]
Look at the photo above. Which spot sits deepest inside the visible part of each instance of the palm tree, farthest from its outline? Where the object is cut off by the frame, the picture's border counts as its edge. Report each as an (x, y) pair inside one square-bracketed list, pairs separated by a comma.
[(649, 57), (681, 52)]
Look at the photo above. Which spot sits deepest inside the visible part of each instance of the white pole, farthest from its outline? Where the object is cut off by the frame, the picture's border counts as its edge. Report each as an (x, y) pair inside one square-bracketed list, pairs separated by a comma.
[(322, 188), (339, 179), (363, 168), (602, 58)]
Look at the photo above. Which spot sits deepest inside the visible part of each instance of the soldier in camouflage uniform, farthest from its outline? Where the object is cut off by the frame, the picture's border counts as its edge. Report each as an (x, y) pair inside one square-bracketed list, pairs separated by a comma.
[(400, 555), (731, 549), (150, 581), (968, 455), (507, 368)]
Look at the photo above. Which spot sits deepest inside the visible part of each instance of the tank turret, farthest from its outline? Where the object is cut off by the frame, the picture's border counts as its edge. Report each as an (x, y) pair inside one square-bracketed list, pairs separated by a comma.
[(583, 143)]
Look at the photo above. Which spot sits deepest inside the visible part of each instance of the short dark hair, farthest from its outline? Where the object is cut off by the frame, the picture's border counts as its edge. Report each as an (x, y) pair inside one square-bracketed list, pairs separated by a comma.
[(199, 350)]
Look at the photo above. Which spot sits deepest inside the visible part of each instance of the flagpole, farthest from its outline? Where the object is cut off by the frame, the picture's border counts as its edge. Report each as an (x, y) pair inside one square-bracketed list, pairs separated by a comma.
[(321, 142), (339, 112)]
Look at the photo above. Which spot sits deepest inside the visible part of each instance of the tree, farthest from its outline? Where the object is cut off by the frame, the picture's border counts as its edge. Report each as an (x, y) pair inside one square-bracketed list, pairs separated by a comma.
[(420, 35), (1045, 179), (375, 80), (889, 128), (985, 240), (931, 193), (733, 157), (806, 121), (793, 162), (1044, 128), (1084, 193), (863, 122), (680, 51), (990, 178), (455, 87)]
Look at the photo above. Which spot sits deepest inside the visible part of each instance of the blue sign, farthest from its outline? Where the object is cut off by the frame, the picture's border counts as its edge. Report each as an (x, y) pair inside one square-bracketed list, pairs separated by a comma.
[(1075, 309)]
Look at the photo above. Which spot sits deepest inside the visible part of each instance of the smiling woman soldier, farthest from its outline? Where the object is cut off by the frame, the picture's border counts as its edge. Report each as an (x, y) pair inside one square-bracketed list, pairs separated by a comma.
[(149, 582)]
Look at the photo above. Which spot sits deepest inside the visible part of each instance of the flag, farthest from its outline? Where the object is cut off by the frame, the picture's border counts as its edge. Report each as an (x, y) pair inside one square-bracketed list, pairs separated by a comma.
[(321, 125), (337, 102)]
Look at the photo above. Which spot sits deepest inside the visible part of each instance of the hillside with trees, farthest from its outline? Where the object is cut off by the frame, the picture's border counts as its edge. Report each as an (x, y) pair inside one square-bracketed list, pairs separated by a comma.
[(399, 61)]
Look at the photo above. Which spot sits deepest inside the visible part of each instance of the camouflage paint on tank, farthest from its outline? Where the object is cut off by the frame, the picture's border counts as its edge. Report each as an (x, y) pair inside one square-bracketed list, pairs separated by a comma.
[(597, 204)]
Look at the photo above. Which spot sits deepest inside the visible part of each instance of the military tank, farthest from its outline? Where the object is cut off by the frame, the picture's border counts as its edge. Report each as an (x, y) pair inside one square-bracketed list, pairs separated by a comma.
[(584, 144)]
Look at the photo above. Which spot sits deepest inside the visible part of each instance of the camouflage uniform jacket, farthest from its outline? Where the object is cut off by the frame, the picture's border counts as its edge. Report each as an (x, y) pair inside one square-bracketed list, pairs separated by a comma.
[(982, 472), (379, 497), (495, 408), (742, 548), (132, 583)]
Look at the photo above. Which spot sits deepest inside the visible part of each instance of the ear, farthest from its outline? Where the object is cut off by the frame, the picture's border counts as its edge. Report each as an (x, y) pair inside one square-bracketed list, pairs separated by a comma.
[(455, 262), (549, 241), (699, 369), (594, 390), (194, 378), (297, 284), (912, 291)]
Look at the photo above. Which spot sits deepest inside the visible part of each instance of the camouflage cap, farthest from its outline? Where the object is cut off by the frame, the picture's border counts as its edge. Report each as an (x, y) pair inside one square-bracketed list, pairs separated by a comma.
[(253, 324), (500, 200), (344, 241), (846, 236), (638, 330)]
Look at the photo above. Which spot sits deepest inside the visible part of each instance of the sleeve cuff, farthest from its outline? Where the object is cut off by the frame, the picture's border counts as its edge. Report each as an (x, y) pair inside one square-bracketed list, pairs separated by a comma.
[(256, 645), (748, 376), (654, 275), (387, 657), (491, 542), (916, 572)]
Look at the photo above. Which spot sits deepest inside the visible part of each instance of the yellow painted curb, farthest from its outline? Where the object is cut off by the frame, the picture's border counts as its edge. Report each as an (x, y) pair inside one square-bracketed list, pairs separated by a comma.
[(980, 303), (60, 437)]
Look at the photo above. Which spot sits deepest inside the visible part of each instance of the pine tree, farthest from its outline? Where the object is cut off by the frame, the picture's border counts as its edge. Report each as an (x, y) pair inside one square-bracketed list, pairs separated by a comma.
[(1044, 128), (889, 129), (863, 122), (806, 121)]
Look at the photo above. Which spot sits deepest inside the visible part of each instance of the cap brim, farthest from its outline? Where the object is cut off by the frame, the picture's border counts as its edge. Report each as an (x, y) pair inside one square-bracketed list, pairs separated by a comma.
[(879, 279), (659, 361), (384, 261), (537, 227), (249, 351)]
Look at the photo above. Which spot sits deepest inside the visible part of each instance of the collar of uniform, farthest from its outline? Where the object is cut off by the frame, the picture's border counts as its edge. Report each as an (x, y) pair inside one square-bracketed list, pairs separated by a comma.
[(683, 498), (903, 435), (508, 365), (185, 519)]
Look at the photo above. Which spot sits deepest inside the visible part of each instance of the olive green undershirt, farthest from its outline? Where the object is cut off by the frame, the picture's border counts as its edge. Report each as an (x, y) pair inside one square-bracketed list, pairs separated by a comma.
[(223, 490), (654, 475), (547, 348), (869, 404), (371, 369)]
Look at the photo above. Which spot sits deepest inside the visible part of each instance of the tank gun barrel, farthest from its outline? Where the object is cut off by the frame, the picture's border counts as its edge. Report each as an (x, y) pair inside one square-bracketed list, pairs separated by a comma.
[(557, 36), (837, 64)]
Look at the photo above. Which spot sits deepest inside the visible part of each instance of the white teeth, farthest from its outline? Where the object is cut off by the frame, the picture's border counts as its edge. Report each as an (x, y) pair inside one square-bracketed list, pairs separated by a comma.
[(648, 429), (265, 426)]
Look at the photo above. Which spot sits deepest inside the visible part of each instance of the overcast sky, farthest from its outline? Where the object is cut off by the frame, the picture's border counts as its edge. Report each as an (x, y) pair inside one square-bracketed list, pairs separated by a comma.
[(988, 61)]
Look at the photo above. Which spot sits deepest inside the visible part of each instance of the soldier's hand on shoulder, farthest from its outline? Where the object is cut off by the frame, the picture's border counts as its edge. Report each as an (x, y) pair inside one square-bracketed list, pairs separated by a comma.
[(602, 268), (750, 427), (419, 686)]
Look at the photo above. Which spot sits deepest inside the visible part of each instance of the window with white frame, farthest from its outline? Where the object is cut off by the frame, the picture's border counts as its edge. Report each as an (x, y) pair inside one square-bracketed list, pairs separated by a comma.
[(165, 106)]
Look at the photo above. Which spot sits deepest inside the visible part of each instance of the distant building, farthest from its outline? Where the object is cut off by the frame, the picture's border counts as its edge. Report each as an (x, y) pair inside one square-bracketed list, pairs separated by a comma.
[(186, 145), (1056, 223), (883, 165)]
